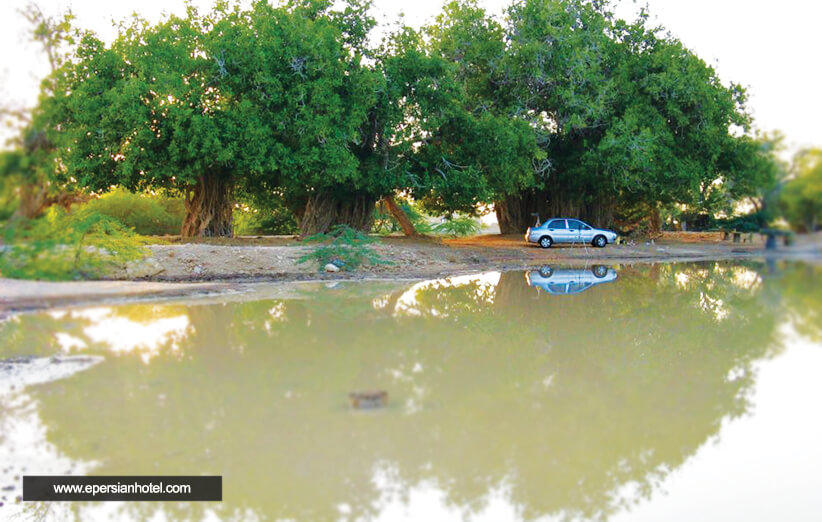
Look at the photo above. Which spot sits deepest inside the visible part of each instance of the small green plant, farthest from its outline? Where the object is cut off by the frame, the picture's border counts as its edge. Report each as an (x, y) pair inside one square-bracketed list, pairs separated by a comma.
[(458, 226), (344, 247), (60, 246)]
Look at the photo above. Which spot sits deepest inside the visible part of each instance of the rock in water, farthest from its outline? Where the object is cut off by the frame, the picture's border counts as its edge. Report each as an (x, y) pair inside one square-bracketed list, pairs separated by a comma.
[(368, 400), (330, 267)]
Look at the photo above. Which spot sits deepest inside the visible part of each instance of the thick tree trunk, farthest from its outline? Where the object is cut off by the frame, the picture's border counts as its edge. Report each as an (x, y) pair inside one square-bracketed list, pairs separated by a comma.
[(33, 200), (516, 213), (209, 207), (323, 210), (654, 222), (399, 214)]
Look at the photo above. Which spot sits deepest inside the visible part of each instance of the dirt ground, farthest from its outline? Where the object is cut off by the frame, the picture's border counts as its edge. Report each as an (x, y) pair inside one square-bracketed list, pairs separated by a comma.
[(219, 265), (276, 258)]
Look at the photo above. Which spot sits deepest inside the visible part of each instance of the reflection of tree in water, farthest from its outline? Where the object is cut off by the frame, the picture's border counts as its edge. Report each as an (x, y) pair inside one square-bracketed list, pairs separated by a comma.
[(564, 400), (802, 297)]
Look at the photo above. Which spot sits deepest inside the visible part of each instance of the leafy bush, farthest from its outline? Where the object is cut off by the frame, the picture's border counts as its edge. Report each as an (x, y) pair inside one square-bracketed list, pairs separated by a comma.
[(458, 226), (267, 221), (60, 246), (343, 246), (145, 214)]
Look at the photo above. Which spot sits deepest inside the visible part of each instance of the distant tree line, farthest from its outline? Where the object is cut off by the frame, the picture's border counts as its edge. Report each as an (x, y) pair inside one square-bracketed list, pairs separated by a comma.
[(558, 108)]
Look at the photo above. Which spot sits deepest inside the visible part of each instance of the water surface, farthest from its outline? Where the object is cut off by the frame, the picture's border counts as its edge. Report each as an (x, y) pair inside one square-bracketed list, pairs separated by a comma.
[(656, 392)]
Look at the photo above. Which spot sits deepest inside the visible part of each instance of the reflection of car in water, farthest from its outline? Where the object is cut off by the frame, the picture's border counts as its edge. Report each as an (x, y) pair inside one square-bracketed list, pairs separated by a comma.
[(566, 281)]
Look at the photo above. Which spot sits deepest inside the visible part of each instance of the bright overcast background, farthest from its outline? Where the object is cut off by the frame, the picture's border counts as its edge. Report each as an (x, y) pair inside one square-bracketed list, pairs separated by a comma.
[(773, 48)]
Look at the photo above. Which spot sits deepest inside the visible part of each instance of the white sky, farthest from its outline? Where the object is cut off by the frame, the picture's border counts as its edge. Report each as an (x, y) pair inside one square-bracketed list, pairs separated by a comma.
[(771, 47)]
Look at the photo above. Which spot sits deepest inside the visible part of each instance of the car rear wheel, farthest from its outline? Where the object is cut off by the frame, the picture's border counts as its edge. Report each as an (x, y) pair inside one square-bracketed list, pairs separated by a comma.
[(546, 242), (599, 241), (600, 271)]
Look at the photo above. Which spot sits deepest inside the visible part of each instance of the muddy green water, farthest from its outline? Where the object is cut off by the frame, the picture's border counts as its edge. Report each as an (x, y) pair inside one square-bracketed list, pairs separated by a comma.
[(665, 392)]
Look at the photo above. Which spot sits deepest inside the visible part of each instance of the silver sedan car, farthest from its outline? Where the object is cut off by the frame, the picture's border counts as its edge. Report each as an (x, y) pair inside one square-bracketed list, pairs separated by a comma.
[(568, 230)]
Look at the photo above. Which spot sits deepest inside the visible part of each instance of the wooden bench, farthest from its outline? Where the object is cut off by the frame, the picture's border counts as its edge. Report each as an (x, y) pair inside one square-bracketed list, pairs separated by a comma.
[(738, 236)]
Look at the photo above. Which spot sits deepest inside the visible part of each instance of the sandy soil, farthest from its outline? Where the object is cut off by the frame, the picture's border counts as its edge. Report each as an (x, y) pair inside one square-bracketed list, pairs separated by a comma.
[(218, 265), (276, 258)]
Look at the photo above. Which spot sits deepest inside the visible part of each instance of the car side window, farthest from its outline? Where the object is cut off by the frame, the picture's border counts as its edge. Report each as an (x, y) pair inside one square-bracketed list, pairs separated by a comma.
[(576, 224), (557, 223)]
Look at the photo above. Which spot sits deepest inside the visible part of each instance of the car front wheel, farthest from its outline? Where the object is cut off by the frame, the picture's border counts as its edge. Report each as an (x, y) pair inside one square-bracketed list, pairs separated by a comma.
[(600, 241), (545, 242), (546, 271)]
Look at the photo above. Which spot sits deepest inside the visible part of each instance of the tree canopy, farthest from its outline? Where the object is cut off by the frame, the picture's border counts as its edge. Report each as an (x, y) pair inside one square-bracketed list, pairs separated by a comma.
[(801, 197), (624, 114)]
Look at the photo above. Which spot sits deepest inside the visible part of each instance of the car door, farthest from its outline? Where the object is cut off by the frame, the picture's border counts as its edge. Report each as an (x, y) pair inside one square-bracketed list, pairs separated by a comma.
[(558, 230), (584, 233)]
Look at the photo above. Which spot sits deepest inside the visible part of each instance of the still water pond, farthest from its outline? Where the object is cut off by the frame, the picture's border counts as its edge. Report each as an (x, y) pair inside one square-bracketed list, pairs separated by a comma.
[(665, 392)]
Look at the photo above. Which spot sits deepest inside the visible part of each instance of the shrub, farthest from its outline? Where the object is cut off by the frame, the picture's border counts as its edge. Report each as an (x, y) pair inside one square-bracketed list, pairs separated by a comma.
[(60, 246), (267, 221), (145, 214), (458, 226), (343, 246)]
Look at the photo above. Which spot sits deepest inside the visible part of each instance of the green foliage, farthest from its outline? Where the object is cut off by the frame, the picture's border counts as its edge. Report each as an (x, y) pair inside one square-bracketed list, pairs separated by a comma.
[(801, 198), (458, 226), (289, 99), (272, 222), (345, 246), (60, 246), (263, 213), (623, 113), (146, 214)]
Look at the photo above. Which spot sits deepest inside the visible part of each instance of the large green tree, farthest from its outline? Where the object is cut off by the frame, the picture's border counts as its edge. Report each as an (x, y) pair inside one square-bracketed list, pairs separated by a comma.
[(625, 115), (202, 103), (289, 102)]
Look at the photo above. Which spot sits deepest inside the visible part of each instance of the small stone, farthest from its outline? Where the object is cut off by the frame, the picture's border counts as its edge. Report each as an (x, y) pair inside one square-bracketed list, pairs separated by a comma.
[(199, 270), (330, 267)]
